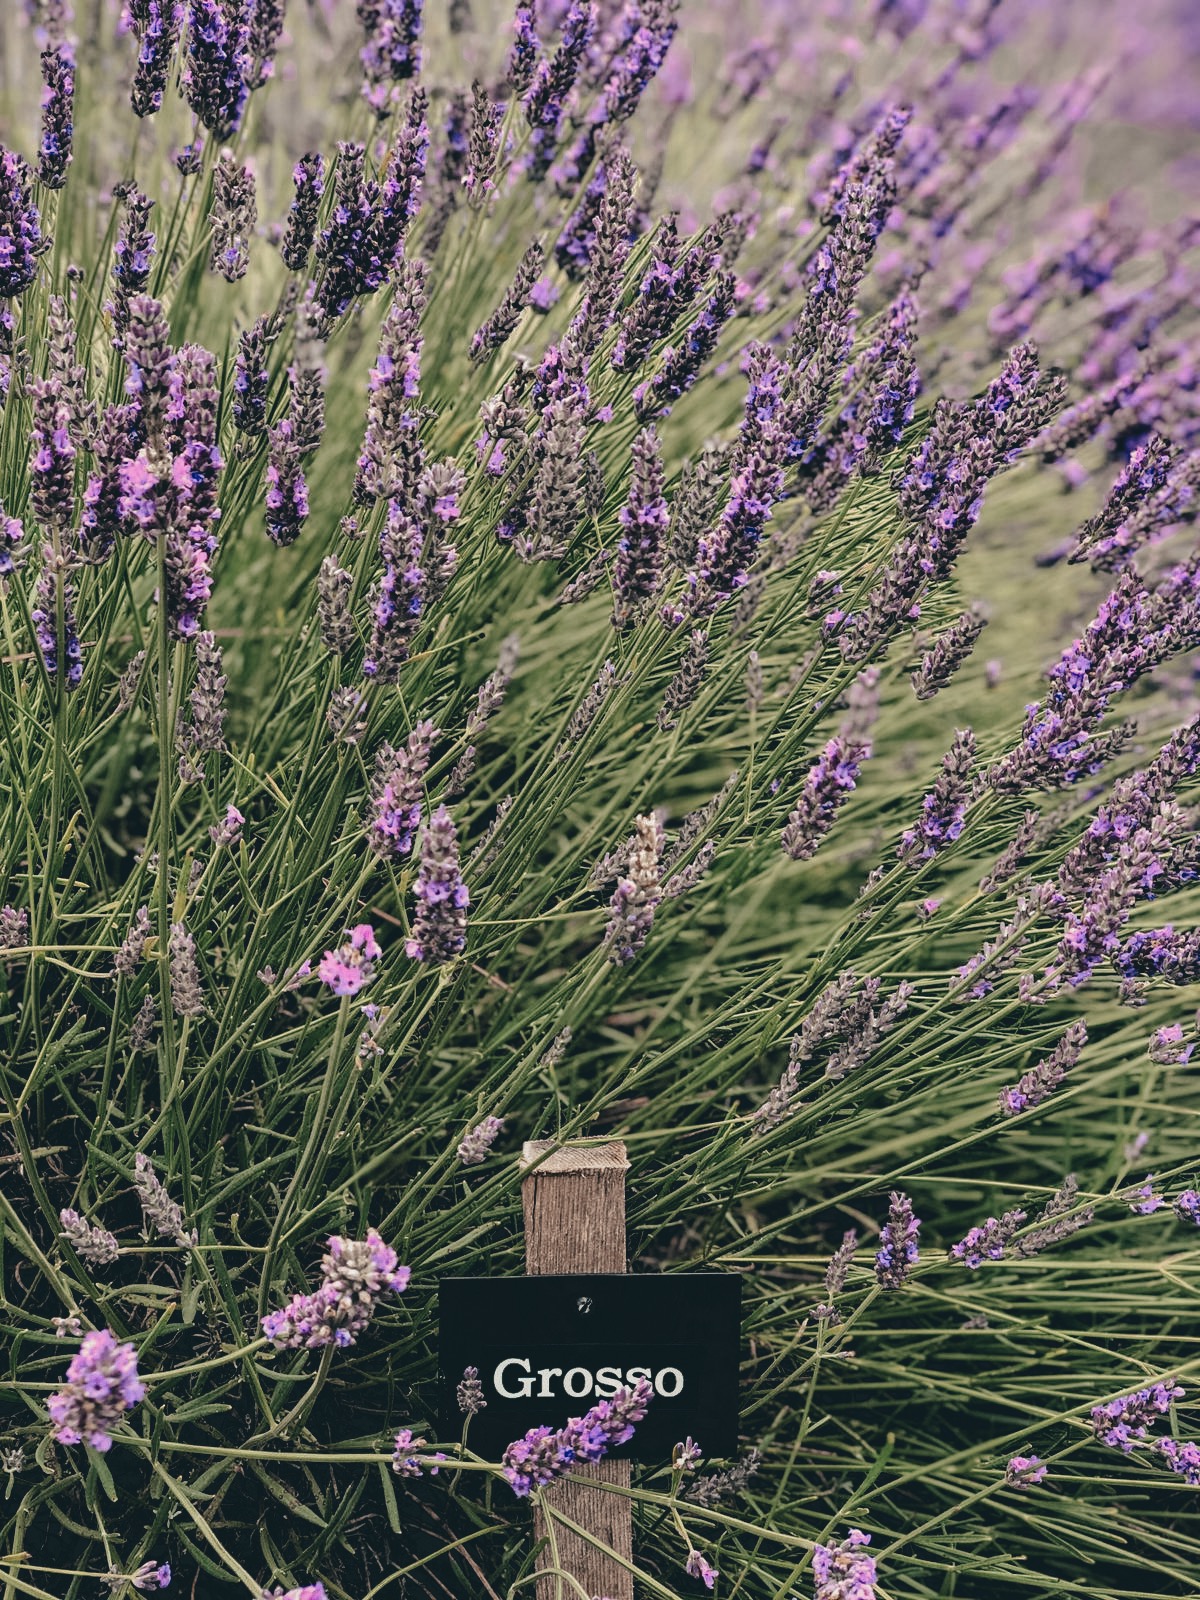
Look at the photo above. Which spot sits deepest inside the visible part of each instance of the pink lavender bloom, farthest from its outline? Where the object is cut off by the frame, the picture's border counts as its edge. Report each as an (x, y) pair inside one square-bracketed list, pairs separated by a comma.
[(826, 789), (1124, 1423), (355, 1276), (697, 1566), (102, 1384), (58, 102), (307, 1591), (440, 924), (22, 241), (545, 1454), (351, 967), (898, 1252), (1187, 1206), (1144, 1200), (476, 1144), (1041, 1081), (1183, 1457), (1024, 1472), (844, 1571)]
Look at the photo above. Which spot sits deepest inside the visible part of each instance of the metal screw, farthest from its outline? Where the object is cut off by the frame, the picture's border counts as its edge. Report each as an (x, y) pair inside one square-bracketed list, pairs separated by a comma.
[(583, 1305)]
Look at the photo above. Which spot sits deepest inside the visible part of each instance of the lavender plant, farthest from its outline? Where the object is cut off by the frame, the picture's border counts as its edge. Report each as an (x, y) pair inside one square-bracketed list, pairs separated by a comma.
[(499, 508)]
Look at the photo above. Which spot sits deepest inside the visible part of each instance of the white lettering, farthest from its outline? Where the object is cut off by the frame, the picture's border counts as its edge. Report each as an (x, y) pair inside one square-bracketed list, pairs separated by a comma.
[(608, 1381), (660, 1382), (524, 1385), (577, 1382), (634, 1373), (545, 1374)]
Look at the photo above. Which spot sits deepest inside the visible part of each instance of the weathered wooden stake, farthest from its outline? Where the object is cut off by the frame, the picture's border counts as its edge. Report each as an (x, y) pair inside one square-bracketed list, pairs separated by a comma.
[(575, 1222)]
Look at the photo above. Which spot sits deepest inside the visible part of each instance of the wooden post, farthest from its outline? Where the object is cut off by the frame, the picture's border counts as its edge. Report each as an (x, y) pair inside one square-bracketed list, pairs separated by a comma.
[(575, 1222)]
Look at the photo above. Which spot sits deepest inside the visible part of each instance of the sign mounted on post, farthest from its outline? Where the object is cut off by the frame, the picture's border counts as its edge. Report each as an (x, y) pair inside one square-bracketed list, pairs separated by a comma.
[(548, 1348)]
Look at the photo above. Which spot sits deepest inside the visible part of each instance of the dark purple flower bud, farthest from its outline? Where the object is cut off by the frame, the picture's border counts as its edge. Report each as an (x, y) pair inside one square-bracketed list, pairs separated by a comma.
[(646, 30), (306, 407), (189, 158), (948, 652), (252, 377), (398, 599), (898, 1252), (637, 571), (53, 616), (148, 359), (554, 76), (217, 39), (233, 216), (392, 52), (439, 929), (12, 534), (52, 464), (685, 685), (266, 25), (681, 363), (116, 441), (400, 188), (1041, 1081), (668, 287), (398, 793), (308, 177), (156, 25), (944, 808), (826, 789), (492, 334), (58, 109), (21, 238), (483, 145), (524, 50), (132, 255), (391, 454), (287, 491)]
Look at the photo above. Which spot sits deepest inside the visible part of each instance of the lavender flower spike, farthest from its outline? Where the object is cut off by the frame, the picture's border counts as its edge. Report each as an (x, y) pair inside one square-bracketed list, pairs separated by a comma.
[(233, 217), (212, 82), (826, 789), (22, 241), (545, 1454), (440, 925), (844, 1571), (156, 24), (92, 1244), (898, 1252), (160, 1214), (477, 1143), (102, 1385), (58, 102), (638, 893), (287, 490), (637, 571), (308, 176), (1041, 1081), (355, 1276), (398, 793)]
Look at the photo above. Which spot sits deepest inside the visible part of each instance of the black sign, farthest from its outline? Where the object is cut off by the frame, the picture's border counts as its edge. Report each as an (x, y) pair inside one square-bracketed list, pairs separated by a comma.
[(548, 1348)]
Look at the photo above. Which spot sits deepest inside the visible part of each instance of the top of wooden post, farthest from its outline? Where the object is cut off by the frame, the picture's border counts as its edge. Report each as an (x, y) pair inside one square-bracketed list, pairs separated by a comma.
[(551, 1156)]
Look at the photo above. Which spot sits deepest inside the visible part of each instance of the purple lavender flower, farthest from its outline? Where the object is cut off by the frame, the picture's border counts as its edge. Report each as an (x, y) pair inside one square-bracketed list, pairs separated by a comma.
[(1024, 1472), (12, 534), (266, 25), (156, 24), (404, 1461), (102, 1384), (91, 1243), (637, 571), (828, 786), (392, 52), (149, 1576), (524, 50), (308, 177), (351, 966), (287, 491), (988, 1241), (1125, 1422), (440, 924), (398, 793), (398, 599), (390, 459), (54, 601), (947, 653), (898, 1252), (1183, 1457), (638, 892), (233, 216), (680, 364), (52, 465), (132, 254), (647, 29), (698, 1566), (22, 241), (228, 831), (469, 1393), (483, 149), (1187, 1206), (1041, 1081), (58, 103), (161, 1215), (212, 82), (944, 808), (844, 1571), (477, 1142), (492, 333), (355, 1276), (545, 1454), (1145, 1199), (252, 377)]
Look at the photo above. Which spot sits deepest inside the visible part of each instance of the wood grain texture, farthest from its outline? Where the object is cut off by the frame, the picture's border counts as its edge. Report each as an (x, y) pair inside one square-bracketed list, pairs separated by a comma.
[(574, 1200)]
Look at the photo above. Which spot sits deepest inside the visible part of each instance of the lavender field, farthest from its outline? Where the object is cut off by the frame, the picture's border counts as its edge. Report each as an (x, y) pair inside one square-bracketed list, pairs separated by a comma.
[(599, 570)]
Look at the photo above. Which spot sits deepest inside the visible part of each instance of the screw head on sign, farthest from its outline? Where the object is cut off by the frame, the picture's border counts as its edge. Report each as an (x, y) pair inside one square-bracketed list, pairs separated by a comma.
[(584, 1304)]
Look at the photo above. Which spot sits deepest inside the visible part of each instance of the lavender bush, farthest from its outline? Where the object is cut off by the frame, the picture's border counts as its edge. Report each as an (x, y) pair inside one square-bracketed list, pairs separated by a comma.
[(589, 570)]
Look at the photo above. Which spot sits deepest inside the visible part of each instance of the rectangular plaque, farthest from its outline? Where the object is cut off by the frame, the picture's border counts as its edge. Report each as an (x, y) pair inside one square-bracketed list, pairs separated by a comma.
[(548, 1347)]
